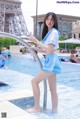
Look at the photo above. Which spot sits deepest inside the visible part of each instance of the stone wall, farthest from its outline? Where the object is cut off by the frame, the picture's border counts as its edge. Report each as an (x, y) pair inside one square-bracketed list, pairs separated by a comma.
[(76, 29)]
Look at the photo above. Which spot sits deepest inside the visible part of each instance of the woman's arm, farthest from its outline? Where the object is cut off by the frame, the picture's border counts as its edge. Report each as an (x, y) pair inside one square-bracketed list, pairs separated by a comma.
[(38, 49), (35, 40), (44, 48)]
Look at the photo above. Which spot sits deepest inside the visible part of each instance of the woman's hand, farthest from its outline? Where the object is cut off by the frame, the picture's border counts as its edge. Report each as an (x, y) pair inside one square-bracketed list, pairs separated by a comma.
[(32, 38), (36, 41), (35, 48), (38, 49)]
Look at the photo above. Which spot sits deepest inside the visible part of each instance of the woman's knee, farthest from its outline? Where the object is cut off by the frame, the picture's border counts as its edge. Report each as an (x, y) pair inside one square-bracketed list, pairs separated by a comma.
[(34, 81)]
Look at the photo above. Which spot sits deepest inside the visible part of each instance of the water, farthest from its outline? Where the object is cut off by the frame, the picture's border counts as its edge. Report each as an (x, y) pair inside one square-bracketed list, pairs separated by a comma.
[(24, 103), (69, 76), (68, 85), (23, 65)]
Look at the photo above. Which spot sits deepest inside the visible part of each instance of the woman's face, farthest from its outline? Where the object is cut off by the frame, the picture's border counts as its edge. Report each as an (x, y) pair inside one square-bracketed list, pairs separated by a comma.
[(49, 22)]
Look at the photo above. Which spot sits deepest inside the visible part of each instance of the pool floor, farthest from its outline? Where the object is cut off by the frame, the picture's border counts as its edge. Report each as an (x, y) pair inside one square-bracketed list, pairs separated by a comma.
[(24, 103)]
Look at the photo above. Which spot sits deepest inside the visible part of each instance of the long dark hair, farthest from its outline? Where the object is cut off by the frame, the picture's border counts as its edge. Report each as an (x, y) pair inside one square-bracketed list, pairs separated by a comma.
[(45, 28)]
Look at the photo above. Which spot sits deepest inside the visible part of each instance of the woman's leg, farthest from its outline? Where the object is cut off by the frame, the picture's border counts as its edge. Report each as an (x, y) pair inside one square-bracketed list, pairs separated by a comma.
[(53, 90), (36, 91)]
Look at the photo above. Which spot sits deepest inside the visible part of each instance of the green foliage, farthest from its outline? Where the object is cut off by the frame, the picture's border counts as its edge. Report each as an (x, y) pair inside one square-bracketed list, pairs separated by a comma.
[(40, 38), (6, 42), (61, 38), (68, 45), (61, 45)]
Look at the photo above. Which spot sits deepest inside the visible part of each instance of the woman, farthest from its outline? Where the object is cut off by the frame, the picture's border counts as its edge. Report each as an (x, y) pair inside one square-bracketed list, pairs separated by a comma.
[(51, 65)]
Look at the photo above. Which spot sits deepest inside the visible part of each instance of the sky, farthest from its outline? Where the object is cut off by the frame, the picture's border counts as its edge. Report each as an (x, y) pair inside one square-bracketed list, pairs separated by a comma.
[(70, 7)]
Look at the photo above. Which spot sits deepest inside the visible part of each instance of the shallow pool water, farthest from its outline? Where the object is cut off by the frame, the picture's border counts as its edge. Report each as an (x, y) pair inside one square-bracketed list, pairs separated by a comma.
[(23, 64), (68, 85)]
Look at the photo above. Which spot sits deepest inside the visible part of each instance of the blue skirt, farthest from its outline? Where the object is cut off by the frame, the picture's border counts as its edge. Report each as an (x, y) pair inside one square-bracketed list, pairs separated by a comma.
[(52, 64)]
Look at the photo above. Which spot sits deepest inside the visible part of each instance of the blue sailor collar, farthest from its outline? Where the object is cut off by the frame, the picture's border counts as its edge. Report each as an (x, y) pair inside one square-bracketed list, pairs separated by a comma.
[(44, 39)]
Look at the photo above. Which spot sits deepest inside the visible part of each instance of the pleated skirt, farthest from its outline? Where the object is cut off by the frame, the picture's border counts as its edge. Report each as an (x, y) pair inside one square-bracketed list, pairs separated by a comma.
[(52, 64)]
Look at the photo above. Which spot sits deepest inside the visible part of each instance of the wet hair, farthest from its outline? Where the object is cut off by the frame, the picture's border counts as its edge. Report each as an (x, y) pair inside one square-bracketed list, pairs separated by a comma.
[(45, 28)]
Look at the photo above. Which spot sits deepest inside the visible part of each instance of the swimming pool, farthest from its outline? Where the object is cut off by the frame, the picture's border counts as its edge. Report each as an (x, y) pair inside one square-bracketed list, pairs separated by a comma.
[(23, 64), (68, 85), (70, 75), (70, 72)]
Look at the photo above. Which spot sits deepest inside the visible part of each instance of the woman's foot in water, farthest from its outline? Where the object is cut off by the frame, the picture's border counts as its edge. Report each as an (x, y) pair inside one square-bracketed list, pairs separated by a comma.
[(33, 110), (54, 110)]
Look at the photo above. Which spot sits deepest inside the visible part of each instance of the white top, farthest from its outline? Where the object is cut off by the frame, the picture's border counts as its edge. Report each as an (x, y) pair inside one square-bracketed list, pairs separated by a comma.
[(53, 39)]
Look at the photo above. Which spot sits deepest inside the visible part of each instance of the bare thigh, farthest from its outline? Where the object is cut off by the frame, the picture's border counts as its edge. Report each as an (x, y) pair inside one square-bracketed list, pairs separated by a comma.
[(52, 82), (42, 76)]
